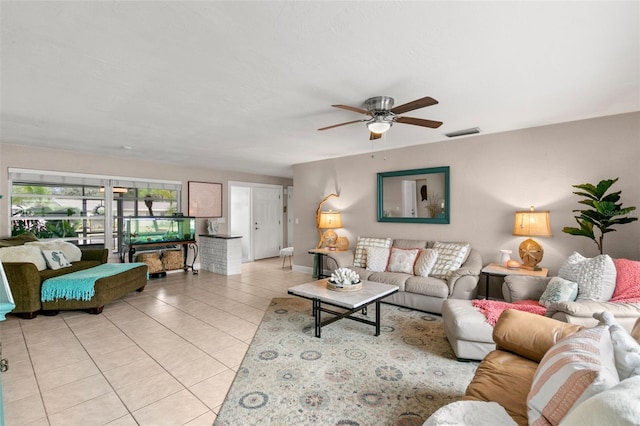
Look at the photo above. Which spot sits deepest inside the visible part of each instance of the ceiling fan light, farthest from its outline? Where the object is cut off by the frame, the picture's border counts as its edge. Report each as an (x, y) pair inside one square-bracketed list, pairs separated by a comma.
[(379, 126)]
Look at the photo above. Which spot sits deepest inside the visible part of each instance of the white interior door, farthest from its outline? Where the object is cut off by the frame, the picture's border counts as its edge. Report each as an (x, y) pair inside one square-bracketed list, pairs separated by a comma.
[(290, 216), (240, 217), (409, 206), (267, 221)]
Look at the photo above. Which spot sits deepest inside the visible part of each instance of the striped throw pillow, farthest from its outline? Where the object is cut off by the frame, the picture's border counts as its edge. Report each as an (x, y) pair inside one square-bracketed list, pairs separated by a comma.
[(573, 370), (360, 255), (450, 258)]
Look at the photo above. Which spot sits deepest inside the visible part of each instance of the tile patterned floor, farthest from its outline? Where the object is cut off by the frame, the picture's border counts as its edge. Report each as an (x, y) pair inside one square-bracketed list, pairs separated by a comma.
[(166, 356)]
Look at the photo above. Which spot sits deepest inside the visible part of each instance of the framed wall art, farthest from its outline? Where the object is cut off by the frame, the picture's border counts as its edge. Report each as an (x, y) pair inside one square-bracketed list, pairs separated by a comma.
[(205, 199)]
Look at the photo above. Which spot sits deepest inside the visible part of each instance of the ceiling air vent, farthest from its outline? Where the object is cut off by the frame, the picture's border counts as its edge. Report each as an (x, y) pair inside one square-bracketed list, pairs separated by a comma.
[(464, 132)]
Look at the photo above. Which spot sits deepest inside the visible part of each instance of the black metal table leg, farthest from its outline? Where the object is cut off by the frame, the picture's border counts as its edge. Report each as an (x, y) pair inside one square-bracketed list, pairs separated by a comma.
[(378, 317), (316, 317)]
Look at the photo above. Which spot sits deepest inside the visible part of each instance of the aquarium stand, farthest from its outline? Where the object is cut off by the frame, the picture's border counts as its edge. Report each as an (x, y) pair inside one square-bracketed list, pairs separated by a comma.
[(132, 248)]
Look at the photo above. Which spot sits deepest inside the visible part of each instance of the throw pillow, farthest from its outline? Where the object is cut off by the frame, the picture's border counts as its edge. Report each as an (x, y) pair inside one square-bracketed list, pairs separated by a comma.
[(627, 280), (450, 258), (559, 290), (377, 258), (573, 370), (56, 259), (596, 277), (425, 262), (23, 253), (617, 405), (360, 254), (626, 350), (402, 260), (71, 251)]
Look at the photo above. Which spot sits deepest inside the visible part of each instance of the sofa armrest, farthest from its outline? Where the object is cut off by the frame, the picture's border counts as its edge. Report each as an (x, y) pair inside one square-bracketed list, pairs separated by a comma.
[(340, 259), (471, 271), (25, 282), (519, 287), (581, 312), (529, 335), (101, 255)]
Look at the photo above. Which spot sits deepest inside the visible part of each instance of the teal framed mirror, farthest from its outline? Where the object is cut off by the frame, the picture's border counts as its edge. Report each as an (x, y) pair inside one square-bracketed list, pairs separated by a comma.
[(414, 196)]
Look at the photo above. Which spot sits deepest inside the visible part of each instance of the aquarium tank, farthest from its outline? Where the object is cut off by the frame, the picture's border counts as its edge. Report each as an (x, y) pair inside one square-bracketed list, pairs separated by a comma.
[(159, 229)]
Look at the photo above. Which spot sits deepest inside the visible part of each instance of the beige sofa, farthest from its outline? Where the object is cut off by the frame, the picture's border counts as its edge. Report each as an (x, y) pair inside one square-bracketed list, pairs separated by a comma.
[(418, 292), (517, 288)]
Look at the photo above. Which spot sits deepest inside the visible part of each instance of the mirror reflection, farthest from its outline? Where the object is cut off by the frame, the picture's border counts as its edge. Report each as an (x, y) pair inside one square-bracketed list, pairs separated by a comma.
[(419, 195)]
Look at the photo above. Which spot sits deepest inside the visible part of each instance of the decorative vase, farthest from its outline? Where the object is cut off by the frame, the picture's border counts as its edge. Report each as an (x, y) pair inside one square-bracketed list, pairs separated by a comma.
[(505, 256), (343, 243)]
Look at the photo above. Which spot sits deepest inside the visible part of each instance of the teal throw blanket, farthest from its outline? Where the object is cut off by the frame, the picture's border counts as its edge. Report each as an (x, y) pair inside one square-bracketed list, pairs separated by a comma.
[(79, 285)]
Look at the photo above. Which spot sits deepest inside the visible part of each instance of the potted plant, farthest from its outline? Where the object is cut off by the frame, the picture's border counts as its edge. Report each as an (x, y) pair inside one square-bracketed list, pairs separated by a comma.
[(605, 211)]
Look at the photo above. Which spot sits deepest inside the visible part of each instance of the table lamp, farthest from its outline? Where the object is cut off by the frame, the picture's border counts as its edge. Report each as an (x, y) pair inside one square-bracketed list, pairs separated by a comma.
[(531, 223), (329, 221)]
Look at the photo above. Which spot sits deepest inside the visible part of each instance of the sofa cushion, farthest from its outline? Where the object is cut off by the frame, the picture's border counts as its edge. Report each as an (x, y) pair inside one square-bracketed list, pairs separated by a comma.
[(428, 286), (377, 259), (470, 413), (409, 243), (596, 277), (72, 251), (627, 280), (505, 378), (392, 278), (56, 259), (360, 253), (450, 258), (619, 403), (559, 290), (75, 266), (24, 253), (402, 260), (17, 240), (573, 370), (425, 262)]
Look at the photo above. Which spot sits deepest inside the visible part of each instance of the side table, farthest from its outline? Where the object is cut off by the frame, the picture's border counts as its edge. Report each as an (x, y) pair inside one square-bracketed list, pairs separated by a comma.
[(496, 270), (321, 253)]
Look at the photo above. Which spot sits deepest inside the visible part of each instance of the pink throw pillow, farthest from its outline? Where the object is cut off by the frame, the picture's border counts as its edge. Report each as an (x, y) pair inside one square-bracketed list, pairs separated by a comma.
[(627, 280), (402, 260)]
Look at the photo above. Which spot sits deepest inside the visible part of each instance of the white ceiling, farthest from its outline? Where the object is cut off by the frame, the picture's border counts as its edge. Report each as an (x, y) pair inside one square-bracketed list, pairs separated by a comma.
[(245, 85)]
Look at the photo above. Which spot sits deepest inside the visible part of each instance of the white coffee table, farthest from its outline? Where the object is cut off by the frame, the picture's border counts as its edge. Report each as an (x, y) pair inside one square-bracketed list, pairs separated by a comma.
[(353, 301)]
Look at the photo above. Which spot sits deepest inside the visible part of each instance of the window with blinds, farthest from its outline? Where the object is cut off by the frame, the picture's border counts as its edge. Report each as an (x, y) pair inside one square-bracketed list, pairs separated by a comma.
[(85, 209)]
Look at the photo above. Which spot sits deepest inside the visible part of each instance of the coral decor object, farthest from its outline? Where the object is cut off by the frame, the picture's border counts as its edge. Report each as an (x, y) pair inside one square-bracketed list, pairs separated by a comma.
[(344, 279)]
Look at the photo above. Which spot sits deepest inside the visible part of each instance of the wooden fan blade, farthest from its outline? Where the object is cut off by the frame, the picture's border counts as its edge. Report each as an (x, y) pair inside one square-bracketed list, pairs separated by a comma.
[(354, 109), (373, 136), (419, 122), (418, 103), (342, 124)]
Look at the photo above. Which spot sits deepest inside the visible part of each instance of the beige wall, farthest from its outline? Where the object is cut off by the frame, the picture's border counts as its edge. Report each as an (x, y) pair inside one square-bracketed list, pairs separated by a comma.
[(64, 161), (492, 176)]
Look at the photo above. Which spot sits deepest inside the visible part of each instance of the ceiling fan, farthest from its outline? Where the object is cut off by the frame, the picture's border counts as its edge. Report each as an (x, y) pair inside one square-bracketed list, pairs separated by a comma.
[(383, 115)]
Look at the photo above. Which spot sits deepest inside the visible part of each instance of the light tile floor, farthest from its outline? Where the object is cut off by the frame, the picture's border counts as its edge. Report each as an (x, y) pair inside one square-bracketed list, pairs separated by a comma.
[(166, 356)]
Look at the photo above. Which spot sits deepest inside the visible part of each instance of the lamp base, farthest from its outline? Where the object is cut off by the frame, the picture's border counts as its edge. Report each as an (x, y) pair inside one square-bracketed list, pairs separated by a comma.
[(531, 268), (330, 237), (531, 254)]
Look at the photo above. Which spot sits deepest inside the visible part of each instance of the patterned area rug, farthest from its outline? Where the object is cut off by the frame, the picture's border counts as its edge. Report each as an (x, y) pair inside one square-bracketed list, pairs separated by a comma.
[(348, 377)]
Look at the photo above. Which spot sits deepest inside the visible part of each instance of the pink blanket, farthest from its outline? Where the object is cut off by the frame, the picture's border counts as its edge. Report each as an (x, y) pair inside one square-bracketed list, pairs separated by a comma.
[(493, 308)]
